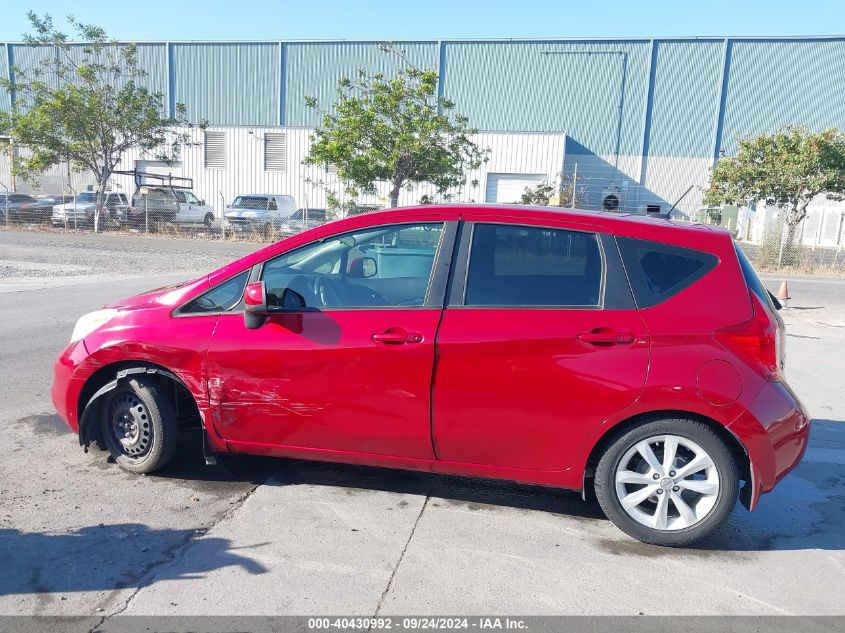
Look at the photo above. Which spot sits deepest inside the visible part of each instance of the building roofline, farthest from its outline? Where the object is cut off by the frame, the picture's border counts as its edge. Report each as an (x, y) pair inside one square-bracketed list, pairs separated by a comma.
[(517, 40)]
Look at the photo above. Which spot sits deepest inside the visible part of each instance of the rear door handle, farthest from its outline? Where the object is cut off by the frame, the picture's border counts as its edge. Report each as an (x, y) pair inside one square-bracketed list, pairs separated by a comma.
[(601, 336), (397, 336)]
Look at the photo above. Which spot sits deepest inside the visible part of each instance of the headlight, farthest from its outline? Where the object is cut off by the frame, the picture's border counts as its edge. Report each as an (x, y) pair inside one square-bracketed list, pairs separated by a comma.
[(90, 322)]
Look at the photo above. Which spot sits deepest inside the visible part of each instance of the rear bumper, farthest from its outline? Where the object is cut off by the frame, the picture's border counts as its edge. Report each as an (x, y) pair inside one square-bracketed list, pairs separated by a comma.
[(775, 431)]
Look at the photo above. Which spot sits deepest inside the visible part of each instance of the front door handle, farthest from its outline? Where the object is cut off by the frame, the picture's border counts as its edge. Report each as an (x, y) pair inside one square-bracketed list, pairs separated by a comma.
[(397, 336), (602, 336)]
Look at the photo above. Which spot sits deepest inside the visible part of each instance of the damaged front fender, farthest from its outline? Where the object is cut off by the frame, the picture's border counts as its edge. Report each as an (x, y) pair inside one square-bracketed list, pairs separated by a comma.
[(89, 430)]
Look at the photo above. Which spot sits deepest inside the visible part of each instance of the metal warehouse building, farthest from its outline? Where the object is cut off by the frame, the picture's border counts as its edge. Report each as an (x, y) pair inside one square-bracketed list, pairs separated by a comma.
[(640, 119)]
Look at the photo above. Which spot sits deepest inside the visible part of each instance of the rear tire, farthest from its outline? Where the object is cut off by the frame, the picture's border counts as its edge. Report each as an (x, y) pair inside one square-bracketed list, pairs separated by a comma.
[(139, 426), (667, 482)]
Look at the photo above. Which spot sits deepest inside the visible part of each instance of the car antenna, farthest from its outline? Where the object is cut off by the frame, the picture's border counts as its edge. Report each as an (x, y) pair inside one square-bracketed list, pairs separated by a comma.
[(677, 202)]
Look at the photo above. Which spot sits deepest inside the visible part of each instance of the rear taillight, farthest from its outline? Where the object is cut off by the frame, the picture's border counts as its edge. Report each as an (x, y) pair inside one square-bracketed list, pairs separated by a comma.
[(755, 341)]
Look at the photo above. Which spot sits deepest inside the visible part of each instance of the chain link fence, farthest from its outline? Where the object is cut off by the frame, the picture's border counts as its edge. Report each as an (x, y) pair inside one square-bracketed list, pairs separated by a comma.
[(261, 220), (780, 250)]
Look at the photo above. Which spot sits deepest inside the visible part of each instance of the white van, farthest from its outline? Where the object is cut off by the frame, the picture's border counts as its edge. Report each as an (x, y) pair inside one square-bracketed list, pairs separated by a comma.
[(259, 211)]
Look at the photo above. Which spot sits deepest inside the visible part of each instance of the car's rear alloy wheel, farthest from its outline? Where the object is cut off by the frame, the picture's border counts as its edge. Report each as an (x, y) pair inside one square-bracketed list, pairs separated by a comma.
[(139, 426), (668, 482)]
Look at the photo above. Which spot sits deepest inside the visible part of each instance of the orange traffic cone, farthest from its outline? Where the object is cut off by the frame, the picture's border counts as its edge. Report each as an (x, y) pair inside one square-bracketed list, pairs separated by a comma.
[(783, 294)]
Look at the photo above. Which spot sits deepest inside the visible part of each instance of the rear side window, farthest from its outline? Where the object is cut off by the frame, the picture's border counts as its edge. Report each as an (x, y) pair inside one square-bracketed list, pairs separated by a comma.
[(659, 271), (533, 266)]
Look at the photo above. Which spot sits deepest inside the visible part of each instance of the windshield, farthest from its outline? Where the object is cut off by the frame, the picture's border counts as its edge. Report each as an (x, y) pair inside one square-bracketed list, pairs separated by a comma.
[(250, 202), (88, 196)]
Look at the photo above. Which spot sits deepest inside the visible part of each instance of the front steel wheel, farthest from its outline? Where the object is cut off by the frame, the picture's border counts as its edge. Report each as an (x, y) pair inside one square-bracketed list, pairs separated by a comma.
[(667, 482), (139, 426)]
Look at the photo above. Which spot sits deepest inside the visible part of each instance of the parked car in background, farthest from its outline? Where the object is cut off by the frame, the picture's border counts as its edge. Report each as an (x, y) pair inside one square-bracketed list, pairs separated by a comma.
[(22, 207), (260, 212), (192, 210), (80, 211), (54, 199), (302, 219), (557, 347), (153, 205)]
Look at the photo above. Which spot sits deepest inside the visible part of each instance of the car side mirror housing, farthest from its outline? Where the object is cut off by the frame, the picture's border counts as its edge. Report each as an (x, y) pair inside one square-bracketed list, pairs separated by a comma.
[(202, 202), (255, 305)]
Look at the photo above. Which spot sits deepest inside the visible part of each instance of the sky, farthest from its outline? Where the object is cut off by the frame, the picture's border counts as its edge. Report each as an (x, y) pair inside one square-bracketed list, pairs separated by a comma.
[(431, 19)]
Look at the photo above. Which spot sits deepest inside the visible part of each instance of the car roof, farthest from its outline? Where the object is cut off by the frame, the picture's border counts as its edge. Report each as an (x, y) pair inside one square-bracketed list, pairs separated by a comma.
[(608, 219)]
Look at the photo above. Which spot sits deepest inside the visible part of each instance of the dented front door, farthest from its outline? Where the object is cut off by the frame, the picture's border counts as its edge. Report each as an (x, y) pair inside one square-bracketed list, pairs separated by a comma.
[(326, 379)]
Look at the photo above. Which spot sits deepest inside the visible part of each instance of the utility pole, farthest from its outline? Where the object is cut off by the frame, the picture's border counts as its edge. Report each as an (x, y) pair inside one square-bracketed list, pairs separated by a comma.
[(12, 163)]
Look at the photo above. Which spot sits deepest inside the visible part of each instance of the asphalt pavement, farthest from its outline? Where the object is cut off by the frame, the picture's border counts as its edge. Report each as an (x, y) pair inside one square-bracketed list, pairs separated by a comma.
[(79, 536)]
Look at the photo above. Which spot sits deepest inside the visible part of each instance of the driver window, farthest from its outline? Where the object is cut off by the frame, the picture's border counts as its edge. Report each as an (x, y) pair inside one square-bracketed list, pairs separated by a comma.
[(381, 266)]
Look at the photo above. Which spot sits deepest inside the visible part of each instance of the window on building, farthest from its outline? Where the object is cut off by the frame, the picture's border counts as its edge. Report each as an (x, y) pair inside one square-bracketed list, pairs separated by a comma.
[(533, 266), (215, 150), (275, 151)]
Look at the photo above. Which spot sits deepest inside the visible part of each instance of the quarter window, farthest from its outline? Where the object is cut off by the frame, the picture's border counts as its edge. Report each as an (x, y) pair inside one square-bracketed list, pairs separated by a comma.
[(659, 271), (221, 298), (533, 266)]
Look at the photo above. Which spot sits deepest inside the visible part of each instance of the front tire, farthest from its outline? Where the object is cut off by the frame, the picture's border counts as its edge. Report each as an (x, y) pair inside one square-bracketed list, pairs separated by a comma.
[(668, 482), (139, 427)]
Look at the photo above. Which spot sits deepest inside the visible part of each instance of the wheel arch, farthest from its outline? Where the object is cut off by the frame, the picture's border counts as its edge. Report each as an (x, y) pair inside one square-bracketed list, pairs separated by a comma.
[(736, 447), (109, 377)]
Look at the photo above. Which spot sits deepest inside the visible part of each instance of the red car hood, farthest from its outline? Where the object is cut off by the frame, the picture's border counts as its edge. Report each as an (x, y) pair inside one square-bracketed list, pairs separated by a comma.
[(171, 295)]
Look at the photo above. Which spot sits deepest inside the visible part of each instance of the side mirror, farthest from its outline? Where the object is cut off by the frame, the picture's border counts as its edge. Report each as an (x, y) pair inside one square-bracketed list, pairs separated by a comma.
[(255, 305), (202, 202), (363, 268)]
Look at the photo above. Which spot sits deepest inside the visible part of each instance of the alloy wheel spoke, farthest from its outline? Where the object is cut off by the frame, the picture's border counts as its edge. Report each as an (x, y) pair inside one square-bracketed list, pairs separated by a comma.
[(644, 449), (684, 509), (638, 496), (631, 477), (661, 513), (670, 449), (700, 462), (700, 486)]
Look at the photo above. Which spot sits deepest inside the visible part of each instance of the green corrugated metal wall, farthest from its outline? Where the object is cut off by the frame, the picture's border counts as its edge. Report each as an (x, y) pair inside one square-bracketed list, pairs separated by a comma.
[(553, 86), (771, 84), (228, 84), (312, 69), (671, 90)]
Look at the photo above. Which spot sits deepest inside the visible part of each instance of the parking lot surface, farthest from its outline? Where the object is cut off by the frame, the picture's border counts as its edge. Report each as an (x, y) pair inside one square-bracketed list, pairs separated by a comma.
[(79, 536)]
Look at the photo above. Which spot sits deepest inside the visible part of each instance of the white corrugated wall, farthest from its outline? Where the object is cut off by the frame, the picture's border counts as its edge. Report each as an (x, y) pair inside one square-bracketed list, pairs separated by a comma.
[(520, 153)]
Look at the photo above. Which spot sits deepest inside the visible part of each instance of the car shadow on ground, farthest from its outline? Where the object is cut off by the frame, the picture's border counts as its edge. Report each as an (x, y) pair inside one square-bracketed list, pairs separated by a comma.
[(107, 557)]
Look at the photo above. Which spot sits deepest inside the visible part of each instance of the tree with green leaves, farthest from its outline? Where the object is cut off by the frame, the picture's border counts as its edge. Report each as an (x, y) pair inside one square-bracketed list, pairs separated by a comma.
[(86, 105), (395, 130), (787, 169)]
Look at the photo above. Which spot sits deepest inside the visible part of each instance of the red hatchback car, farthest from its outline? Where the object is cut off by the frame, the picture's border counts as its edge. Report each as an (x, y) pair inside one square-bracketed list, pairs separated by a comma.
[(566, 348)]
